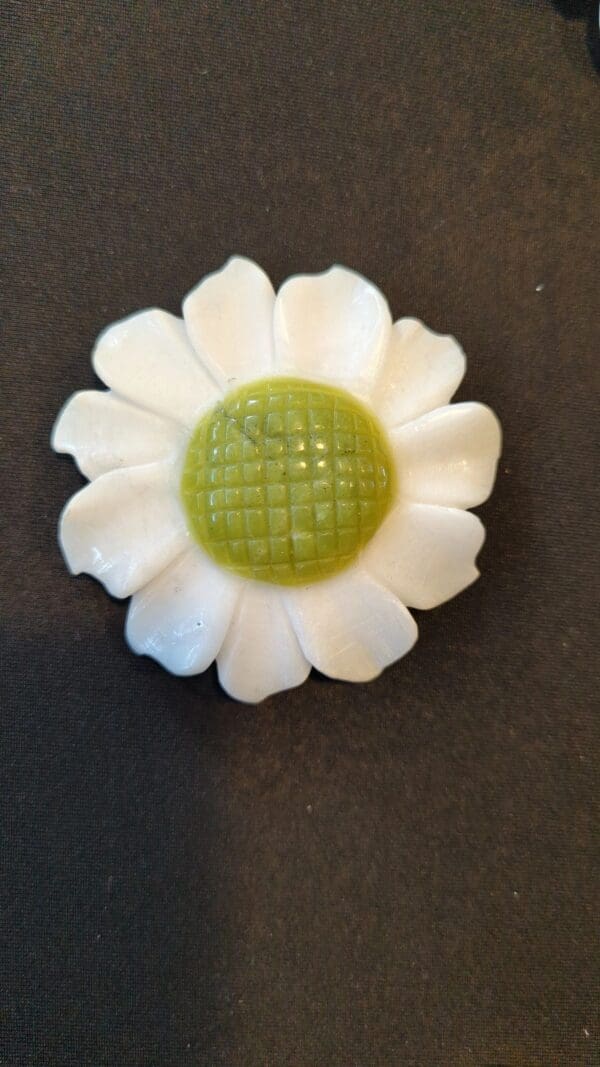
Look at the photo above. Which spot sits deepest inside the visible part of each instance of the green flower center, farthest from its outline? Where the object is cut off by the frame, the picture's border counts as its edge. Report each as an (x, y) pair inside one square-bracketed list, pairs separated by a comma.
[(286, 480)]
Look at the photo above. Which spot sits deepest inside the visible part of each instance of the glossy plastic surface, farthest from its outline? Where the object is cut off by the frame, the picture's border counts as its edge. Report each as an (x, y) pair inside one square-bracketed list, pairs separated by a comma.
[(286, 480), (234, 444)]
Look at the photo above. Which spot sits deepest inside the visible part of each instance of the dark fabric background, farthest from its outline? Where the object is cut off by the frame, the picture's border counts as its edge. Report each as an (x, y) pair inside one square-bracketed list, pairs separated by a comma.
[(390, 874)]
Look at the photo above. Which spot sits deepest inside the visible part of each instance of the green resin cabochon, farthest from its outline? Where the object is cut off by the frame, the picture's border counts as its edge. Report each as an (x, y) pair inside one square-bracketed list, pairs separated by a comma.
[(286, 480)]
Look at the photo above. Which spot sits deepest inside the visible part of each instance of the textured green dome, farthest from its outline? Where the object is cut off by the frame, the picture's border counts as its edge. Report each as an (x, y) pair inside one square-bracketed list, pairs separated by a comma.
[(286, 480)]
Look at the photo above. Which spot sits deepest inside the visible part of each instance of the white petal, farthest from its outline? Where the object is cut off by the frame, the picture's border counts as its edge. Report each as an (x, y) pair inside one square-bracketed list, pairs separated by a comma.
[(425, 554), (104, 432), (422, 371), (333, 326), (349, 626), (260, 654), (181, 617), (148, 358), (229, 318), (449, 456), (124, 527)]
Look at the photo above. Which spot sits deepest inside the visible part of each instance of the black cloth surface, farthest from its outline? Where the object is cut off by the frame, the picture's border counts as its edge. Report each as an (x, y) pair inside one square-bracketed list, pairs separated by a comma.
[(391, 874)]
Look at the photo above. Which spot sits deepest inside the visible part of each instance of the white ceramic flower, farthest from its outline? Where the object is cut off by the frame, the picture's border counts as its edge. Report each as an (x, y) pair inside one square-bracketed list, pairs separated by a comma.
[(274, 480)]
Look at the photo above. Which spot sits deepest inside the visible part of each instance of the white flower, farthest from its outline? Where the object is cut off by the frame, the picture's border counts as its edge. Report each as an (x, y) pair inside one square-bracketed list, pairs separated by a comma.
[(227, 554)]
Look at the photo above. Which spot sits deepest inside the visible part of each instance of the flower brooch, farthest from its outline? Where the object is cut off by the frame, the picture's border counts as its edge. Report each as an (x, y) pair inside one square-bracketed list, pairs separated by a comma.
[(276, 479)]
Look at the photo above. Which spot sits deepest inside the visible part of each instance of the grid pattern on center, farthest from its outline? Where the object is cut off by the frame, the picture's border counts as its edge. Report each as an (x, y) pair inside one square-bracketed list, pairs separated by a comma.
[(286, 480)]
